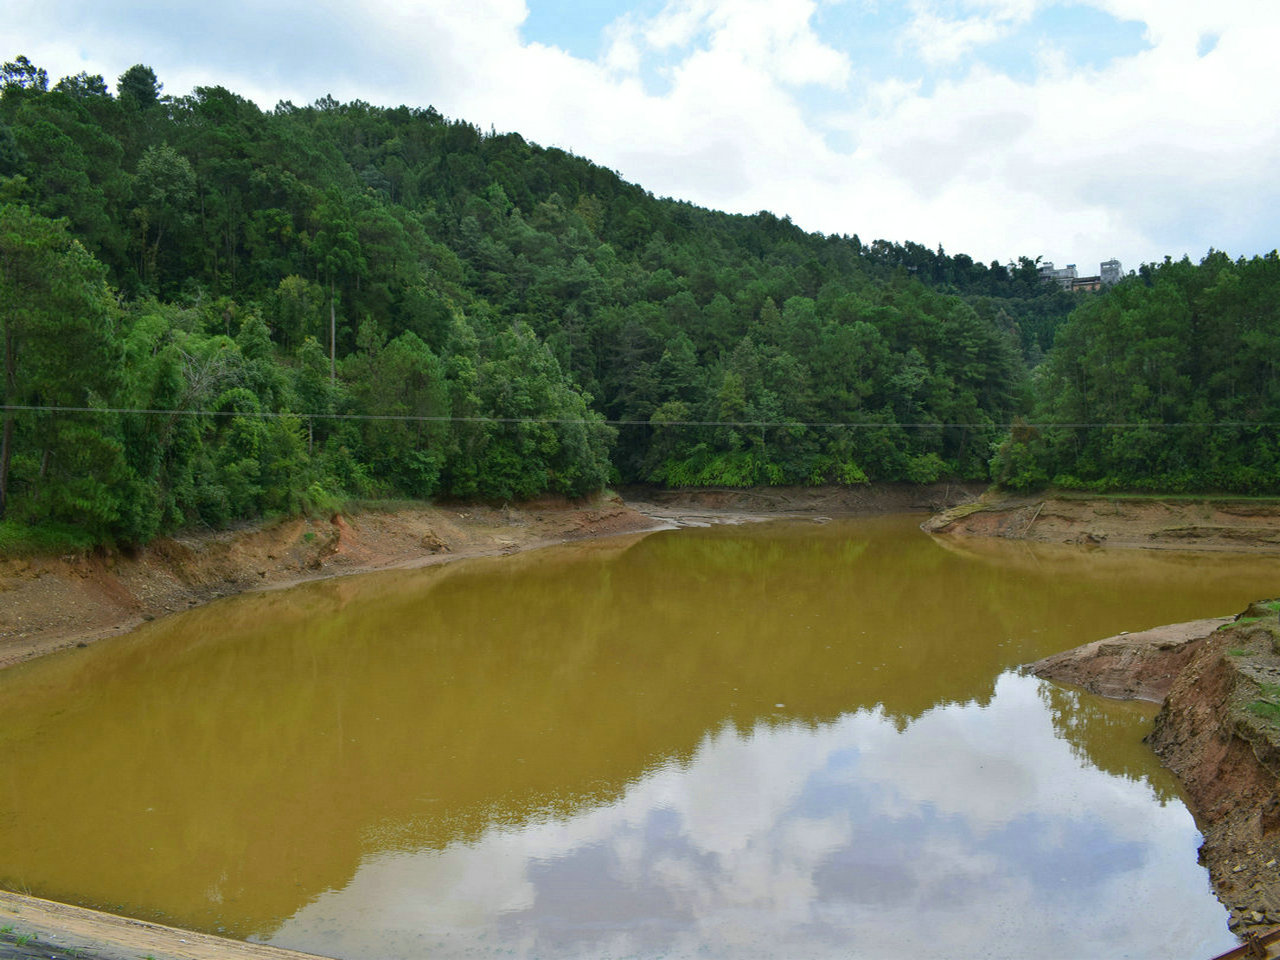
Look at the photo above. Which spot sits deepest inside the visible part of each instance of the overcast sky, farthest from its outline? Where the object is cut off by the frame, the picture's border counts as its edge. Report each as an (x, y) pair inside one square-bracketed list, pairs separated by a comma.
[(1075, 131)]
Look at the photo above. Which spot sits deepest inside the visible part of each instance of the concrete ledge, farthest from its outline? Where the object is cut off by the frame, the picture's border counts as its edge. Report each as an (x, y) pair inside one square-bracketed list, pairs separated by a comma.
[(63, 930)]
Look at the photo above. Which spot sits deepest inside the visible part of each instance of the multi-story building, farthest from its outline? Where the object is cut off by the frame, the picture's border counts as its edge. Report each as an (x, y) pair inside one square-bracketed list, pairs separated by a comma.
[(1069, 279), (1063, 276)]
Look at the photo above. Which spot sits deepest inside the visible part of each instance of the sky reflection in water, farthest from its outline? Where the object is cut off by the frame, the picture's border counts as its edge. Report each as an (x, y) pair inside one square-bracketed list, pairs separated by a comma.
[(975, 831)]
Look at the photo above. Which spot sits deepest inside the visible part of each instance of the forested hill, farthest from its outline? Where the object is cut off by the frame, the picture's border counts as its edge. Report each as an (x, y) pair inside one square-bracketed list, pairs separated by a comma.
[(1168, 383), (506, 320)]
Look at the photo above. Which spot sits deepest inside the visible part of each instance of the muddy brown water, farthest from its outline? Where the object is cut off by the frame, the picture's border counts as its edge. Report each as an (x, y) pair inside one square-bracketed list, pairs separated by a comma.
[(787, 739)]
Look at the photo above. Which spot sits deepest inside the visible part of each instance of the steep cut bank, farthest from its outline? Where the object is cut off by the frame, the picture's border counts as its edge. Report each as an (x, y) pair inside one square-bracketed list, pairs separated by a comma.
[(1131, 666), (1218, 730), (1149, 522)]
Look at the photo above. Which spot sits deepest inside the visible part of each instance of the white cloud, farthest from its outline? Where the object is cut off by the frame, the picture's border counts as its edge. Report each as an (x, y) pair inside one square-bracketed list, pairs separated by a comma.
[(1158, 151), (944, 41), (944, 38), (960, 836)]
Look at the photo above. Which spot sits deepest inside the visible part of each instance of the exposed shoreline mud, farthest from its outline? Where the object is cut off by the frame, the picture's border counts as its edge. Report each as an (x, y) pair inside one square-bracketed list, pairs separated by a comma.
[(51, 603), (1201, 524), (54, 602), (1218, 731), (1130, 666)]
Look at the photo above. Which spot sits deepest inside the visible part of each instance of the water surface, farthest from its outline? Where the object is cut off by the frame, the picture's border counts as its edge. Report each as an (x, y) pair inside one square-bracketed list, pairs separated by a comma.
[(790, 740)]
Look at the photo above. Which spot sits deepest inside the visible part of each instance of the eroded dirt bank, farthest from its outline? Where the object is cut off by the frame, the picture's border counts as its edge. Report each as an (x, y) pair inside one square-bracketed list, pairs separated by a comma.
[(48, 603), (1151, 523), (1218, 730), (1130, 666)]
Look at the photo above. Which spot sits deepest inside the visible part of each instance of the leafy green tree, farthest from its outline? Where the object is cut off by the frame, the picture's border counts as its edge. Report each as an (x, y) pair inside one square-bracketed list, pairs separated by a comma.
[(1167, 381), (336, 248), (529, 294), (22, 76), (401, 379), (138, 85), (538, 432), (296, 311), (55, 321), (165, 193), (83, 86)]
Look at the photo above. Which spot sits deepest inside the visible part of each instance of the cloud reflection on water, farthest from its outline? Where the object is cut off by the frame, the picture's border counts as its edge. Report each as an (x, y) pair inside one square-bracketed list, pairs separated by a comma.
[(975, 831)]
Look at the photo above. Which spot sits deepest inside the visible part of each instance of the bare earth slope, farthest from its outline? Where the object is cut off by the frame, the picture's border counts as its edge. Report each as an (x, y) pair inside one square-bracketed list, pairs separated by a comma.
[(1233, 525), (1219, 732), (1130, 666), (47, 603)]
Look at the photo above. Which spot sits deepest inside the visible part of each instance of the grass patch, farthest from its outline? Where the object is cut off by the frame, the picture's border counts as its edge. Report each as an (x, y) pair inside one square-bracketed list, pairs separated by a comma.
[(1266, 710), (1237, 651), (965, 510), (1241, 622), (1268, 705), (1259, 611), (20, 540)]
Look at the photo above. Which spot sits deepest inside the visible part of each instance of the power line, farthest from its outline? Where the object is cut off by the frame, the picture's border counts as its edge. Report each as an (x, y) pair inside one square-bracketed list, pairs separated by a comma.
[(587, 421)]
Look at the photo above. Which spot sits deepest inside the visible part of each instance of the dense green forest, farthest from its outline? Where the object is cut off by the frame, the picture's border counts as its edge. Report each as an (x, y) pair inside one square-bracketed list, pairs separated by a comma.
[(1170, 382), (211, 312)]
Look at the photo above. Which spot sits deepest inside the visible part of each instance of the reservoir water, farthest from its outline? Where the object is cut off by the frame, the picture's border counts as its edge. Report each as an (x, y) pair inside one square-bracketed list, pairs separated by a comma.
[(778, 740)]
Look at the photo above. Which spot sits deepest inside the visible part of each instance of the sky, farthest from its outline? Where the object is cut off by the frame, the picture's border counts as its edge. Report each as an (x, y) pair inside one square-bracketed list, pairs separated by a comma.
[(1072, 130)]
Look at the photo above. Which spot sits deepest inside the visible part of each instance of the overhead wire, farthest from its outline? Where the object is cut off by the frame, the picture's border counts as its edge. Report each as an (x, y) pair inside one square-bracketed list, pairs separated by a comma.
[(789, 424)]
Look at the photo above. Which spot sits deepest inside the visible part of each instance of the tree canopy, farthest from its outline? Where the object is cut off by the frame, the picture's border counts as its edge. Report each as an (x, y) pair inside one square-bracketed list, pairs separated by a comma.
[(1168, 382), (348, 300)]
